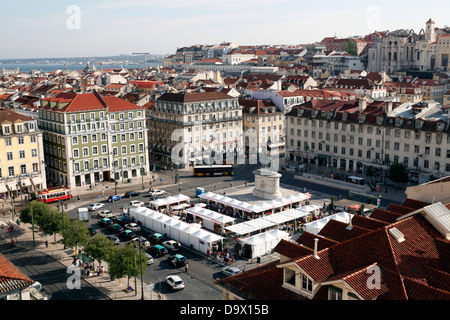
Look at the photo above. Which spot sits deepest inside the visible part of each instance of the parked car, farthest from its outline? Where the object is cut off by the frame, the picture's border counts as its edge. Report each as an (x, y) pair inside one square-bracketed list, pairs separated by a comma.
[(177, 260), (144, 242), (158, 250), (92, 231), (157, 192), (127, 235), (136, 203), (131, 194), (122, 220), (133, 227), (115, 228), (230, 271), (114, 239), (105, 213), (157, 238), (175, 282), (172, 245), (105, 222), (95, 206), (149, 259), (114, 197)]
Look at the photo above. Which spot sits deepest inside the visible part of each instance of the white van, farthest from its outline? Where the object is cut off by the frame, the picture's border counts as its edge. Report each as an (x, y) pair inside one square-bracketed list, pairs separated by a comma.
[(83, 214)]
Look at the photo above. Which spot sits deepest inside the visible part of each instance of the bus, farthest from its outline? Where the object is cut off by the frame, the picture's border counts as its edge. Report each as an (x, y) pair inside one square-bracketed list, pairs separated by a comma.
[(213, 170), (54, 195)]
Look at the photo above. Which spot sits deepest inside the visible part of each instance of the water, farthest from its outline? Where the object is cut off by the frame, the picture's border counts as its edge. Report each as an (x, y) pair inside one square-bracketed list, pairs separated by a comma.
[(49, 67)]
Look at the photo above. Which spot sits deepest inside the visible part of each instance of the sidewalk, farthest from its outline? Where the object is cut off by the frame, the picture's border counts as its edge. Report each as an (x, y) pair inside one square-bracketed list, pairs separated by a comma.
[(392, 193), (115, 290)]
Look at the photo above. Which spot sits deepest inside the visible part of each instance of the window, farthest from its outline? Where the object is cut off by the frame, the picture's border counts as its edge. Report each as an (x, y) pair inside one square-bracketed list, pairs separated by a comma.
[(11, 171), (21, 141), (289, 275), (8, 141), (306, 283), (22, 154), (9, 156), (75, 153), (23, 169), (85, 152), (335, 293)]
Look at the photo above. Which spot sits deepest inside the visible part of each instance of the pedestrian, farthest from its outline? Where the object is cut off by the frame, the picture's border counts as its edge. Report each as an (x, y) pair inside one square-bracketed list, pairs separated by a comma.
[(46, 243), (186, 266), (79, 198), (214, 187)]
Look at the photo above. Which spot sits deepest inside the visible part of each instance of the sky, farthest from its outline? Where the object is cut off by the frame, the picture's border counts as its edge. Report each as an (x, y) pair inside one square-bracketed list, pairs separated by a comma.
[(61, 28)]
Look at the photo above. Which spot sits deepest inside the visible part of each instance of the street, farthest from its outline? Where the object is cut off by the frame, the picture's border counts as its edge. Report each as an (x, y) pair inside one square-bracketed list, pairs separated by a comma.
[(202, 272)]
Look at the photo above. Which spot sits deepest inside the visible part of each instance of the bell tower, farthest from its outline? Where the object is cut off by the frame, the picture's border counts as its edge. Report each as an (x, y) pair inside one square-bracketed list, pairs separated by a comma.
[(430, 34)]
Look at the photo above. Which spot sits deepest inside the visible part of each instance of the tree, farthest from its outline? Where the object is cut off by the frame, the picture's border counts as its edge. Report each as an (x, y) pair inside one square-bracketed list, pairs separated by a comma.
[(39, 208), (124, 261), (75, 233), (398, 173), (51, 222), (351, 47), (99, 247), (44, 216)]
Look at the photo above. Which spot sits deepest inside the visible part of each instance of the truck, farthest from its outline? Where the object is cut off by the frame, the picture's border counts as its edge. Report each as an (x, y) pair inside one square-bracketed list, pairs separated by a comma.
[(83, 214)]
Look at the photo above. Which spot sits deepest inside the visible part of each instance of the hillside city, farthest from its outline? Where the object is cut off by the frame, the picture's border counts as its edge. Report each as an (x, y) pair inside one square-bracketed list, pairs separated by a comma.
[(231, 172)]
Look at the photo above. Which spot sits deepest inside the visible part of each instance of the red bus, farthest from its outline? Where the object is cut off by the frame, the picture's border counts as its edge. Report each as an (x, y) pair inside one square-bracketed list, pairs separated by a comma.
[(54, 195)]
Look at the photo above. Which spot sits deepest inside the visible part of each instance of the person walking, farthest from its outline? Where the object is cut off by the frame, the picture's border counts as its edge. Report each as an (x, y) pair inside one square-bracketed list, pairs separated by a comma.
[(46, 243), (186, 266)]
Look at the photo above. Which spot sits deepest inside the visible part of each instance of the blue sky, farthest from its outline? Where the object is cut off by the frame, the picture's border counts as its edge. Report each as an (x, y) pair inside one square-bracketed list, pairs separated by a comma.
[(38, 29)]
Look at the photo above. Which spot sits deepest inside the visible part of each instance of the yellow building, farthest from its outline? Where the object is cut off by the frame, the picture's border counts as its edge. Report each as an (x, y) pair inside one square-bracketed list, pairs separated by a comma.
[(22, 167)]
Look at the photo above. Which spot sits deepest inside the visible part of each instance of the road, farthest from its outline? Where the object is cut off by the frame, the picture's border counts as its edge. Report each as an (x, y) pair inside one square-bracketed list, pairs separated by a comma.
[(201, 274), (51, 273)]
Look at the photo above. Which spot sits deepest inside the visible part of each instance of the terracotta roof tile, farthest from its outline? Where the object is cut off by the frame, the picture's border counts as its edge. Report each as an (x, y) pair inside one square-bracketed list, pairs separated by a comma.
[(11, 278)]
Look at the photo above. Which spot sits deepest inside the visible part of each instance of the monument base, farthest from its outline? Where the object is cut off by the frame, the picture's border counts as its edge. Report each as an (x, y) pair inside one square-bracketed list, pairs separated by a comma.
[(267, 184)]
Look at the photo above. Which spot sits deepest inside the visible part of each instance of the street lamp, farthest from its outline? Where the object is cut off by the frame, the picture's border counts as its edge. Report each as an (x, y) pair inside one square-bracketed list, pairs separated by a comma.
[(60, 204)]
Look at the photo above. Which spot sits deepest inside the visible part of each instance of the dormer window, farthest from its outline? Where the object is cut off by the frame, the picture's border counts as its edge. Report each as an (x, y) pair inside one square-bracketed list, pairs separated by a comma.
[(306, 283), (289, 276)]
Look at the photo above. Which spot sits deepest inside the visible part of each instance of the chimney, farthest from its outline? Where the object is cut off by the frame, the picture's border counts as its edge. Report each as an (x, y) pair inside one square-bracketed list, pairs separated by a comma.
[(362, 104), (316, 243), (350, 226), (389, 106)]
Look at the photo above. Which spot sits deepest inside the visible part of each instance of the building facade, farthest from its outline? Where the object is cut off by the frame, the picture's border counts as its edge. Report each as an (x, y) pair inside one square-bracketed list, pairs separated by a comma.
[(263, 125), (353, 136), (90, 138), (22, 166), (199, 125), (406, 50)]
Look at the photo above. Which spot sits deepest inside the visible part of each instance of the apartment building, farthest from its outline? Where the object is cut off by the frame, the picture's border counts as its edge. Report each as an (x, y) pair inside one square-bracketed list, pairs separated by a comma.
[(22, 166), (355, 135), (263, 124), (203, 124), (90, 138)]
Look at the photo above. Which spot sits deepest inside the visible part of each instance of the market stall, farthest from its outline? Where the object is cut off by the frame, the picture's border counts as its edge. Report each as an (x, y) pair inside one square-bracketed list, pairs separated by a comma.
[(210, 219), (262, 244)]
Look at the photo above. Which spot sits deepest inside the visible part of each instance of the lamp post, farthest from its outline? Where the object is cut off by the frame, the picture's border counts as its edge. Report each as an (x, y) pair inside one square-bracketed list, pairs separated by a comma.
[(60, 204), (32, 226)]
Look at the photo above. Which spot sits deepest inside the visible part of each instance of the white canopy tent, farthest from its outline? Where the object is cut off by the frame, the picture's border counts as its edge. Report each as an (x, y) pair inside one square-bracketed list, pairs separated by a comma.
[(263, 243), (314, 227), (268, 221), (165, 202), (210, 217), (188, 234), (292, 200)]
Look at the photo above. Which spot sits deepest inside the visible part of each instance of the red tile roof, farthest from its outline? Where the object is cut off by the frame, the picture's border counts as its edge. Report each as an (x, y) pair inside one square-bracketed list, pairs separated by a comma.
[(11, 278)]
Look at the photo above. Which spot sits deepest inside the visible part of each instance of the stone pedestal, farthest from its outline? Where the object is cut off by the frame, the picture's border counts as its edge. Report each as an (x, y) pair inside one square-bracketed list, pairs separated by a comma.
[(267, 184)]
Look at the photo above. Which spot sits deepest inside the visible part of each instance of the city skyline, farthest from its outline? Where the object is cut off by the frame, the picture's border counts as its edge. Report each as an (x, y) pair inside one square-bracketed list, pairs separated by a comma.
[(104, 28)]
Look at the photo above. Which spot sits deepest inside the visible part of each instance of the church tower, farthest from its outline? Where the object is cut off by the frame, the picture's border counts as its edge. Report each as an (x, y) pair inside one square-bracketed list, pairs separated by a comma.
[(430, 34)]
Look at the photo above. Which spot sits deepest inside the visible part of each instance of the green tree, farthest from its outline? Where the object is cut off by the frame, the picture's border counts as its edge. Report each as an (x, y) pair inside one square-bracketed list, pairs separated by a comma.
[(398, 173), (124, 261), (99, 248), (351, 47), (39, 208), (75, 233), (51, 222)]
